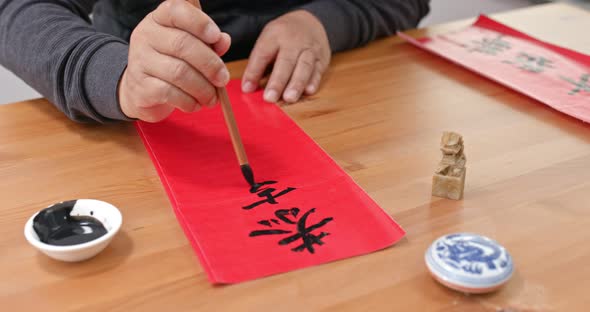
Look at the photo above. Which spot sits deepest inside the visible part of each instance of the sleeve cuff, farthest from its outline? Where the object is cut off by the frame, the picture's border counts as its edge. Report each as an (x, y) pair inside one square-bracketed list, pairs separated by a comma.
[(332, 15), (101, 79)]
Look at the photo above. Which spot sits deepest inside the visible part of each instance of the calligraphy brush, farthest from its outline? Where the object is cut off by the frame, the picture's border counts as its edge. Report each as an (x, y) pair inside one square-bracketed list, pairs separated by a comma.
[(232, 126), (234, 133)]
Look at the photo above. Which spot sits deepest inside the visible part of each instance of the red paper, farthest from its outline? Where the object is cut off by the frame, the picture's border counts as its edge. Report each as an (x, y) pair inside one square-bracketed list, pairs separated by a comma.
[(551, 74), (196, 163)]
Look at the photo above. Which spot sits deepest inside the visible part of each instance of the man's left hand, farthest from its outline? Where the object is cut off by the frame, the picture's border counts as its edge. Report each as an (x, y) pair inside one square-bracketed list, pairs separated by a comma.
[(298, 45)]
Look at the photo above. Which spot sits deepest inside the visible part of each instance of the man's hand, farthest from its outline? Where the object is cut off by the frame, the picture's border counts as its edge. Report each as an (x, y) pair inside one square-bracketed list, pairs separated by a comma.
[(298, 45), (174, 62)]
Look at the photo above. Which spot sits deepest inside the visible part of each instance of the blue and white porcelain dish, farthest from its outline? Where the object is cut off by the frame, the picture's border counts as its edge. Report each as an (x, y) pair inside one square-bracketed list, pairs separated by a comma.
[(469, 262)]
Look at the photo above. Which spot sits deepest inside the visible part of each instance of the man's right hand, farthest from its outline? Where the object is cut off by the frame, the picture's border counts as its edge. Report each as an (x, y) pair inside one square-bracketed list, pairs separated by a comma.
[(174, 62)]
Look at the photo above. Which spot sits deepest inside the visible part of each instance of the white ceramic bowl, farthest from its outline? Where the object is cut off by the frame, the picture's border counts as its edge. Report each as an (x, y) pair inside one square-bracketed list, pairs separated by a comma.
[(106, 213)]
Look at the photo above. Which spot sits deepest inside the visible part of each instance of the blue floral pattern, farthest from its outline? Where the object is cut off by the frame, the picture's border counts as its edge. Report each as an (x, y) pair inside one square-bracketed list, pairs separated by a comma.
[(470, 260), (468, 254)]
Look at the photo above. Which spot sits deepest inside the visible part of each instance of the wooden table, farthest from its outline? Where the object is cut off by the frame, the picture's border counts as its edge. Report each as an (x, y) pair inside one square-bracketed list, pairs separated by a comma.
[(380, 114)]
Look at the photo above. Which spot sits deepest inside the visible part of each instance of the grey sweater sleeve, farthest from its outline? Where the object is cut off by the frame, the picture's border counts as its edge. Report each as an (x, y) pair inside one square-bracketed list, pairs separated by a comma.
[(51, 45), (352, 23)]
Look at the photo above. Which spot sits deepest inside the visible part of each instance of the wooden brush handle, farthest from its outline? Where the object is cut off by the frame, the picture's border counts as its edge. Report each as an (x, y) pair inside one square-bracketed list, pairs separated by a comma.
[(228, 114), (196, 3), (232, 126)]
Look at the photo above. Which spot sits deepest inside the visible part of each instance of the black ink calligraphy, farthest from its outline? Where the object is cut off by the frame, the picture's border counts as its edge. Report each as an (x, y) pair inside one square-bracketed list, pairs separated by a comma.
[(583, 84), (301, 232), (531, 63), (268, 193), (490, 46)]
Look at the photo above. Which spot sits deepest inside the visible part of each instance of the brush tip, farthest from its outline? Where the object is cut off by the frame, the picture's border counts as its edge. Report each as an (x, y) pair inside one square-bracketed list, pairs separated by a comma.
[(248, 174)]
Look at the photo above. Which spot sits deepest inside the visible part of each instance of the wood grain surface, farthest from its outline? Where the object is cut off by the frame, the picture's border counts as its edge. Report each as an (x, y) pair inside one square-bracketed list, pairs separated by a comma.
[(380, 113)]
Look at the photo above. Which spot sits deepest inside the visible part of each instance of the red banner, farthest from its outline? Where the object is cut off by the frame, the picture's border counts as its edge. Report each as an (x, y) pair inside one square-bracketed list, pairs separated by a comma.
[(551, 74), (305, 211)]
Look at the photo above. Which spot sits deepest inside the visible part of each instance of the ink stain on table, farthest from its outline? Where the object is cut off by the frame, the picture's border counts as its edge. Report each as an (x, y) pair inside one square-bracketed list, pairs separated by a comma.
[(56, 226)]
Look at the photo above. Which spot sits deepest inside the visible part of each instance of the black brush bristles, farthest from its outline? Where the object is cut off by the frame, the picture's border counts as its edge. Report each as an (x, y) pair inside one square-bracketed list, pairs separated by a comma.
[(248, 174)]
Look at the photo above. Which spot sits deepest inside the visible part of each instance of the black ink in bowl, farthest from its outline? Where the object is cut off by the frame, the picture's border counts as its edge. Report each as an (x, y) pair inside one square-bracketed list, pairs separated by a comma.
[(55, 226)]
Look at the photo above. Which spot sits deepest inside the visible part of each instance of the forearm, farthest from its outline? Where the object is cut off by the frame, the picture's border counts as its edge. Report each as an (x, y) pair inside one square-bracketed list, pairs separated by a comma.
[(52, 46), (352, 23)]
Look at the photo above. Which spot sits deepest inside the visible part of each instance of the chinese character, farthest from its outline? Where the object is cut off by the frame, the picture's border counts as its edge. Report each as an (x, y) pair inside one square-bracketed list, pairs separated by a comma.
[(531, 63), (491, 46), (266, 193), (579, 86), (303, 233)]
